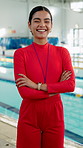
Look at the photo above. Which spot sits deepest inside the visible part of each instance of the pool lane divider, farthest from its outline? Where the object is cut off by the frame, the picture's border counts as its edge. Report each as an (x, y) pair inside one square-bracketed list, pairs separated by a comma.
[(78, 77), (7, 80), (9, 107), (78, 92), (73, 136), (75, 95)]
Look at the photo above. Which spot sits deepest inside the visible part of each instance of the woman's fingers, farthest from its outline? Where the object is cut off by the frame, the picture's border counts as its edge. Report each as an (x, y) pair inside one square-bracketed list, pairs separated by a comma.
[(25, 81), (50, 95), (22, 75), (19, 79), (65, 75), (20, 82)]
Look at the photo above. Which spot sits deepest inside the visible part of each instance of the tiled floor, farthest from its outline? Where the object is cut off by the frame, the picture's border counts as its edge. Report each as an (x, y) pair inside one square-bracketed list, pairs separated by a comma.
[(7, 135), (6, 144)]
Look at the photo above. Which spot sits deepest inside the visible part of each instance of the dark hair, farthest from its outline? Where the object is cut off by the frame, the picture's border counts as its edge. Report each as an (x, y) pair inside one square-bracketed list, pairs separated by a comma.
[(38, 8)]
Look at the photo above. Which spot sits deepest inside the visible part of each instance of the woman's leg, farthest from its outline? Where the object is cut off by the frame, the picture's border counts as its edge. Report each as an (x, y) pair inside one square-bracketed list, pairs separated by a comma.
[(28, 136), (53, 133), (28, 133), (53, 137)]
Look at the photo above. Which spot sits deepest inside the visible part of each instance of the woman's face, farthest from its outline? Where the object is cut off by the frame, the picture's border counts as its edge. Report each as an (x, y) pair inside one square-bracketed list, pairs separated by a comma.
[(40, 24)]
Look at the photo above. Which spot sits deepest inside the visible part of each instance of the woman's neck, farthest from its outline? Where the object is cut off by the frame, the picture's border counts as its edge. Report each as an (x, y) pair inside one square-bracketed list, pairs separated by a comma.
[(40, 41)]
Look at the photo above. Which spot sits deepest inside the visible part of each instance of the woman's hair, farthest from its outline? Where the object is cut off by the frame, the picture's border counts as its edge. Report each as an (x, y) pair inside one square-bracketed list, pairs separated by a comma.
[(38, 8)]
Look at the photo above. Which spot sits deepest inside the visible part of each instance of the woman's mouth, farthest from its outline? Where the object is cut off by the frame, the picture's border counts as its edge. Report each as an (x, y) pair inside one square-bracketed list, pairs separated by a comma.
[(41, 30)]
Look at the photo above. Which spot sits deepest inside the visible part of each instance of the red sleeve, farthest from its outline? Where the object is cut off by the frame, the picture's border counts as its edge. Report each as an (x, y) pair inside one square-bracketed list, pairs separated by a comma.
[(19, 67), (67, 85)]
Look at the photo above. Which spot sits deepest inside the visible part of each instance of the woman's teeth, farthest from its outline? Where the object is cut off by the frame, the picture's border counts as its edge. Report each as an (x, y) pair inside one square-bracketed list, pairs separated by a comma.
[(41, 30)]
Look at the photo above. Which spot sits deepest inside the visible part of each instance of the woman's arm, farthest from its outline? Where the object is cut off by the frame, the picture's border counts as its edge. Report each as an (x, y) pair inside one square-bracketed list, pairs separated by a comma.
[(26, 92), (65, 84), (24, 81), (65, 76)]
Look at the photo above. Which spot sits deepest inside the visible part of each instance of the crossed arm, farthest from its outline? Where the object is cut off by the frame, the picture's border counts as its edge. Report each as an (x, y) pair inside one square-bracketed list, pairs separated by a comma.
[(25, 81), (29, 89)]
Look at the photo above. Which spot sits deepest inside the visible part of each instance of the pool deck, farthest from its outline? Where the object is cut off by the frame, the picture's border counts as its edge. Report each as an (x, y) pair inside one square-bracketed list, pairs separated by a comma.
[(8, 134)]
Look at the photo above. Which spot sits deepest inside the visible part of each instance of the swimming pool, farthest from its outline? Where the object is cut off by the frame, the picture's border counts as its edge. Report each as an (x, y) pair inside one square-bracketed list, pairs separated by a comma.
[(9, 99), (6, 61), (10, 102), (73, 113)]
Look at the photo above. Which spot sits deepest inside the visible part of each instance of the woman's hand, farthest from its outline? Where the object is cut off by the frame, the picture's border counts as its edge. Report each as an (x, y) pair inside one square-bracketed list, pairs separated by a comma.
[(25, 81), (65, 75)]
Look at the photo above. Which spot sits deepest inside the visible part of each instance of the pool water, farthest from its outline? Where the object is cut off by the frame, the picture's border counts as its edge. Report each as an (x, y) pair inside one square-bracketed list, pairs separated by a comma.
[(9, 113), (79, 83), (6, 64), (10, 95), (6, 61), (73, 113)]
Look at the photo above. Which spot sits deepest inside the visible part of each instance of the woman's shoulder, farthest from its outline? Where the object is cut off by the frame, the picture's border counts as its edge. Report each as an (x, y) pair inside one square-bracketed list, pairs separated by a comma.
[(61, 49), (22, 50), (58, 48)]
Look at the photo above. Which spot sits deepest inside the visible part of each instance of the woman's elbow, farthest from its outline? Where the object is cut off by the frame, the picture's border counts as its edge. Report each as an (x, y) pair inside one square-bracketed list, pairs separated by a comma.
[(72, 86)]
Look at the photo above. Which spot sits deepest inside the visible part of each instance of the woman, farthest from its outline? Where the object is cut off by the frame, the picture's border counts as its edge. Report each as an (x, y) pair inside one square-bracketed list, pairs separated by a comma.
[(42, 71)]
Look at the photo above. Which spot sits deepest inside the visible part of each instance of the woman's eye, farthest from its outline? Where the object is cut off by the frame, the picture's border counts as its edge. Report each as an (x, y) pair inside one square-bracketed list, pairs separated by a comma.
[(47, 22), (36, 21)]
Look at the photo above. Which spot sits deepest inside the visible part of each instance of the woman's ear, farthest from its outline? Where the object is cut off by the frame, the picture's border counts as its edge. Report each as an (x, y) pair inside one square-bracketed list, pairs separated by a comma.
[(51, 25), (29, 25)]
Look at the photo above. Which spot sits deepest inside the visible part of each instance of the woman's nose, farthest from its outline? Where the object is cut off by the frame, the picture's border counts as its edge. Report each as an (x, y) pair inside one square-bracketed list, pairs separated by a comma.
[(42, 23)]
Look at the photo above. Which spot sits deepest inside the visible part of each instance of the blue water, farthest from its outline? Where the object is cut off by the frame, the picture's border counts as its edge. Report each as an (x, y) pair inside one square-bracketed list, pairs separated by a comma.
[(79, 83), (6, 64), (73, 112), (8, 113), (9, 96), (9, 57)]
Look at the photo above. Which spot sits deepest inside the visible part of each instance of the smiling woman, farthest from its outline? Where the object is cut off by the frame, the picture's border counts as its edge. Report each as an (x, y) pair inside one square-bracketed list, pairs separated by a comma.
[(40, 26), (42, 71)]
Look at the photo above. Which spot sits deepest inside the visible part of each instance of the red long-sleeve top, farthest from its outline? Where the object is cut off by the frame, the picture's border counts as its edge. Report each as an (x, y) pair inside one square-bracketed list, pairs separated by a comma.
[(26, 62)]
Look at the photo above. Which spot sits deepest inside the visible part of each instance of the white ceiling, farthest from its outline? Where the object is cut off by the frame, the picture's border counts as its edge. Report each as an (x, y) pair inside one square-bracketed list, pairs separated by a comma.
[(62, 1)]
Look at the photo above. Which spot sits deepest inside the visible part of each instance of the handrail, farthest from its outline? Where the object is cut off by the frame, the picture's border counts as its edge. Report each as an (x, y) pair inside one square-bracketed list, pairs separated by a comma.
[(77, 60)]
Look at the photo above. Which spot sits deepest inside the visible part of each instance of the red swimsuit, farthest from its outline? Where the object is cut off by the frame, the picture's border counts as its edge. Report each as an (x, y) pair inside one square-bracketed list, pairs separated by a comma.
[(41, 120)]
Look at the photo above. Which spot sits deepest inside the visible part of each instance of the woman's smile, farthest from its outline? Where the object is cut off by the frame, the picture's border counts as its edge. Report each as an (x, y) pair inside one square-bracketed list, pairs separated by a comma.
[(41, 30)]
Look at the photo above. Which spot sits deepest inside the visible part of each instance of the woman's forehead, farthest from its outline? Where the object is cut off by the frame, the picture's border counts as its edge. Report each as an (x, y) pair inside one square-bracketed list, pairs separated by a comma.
[(41, 14)]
